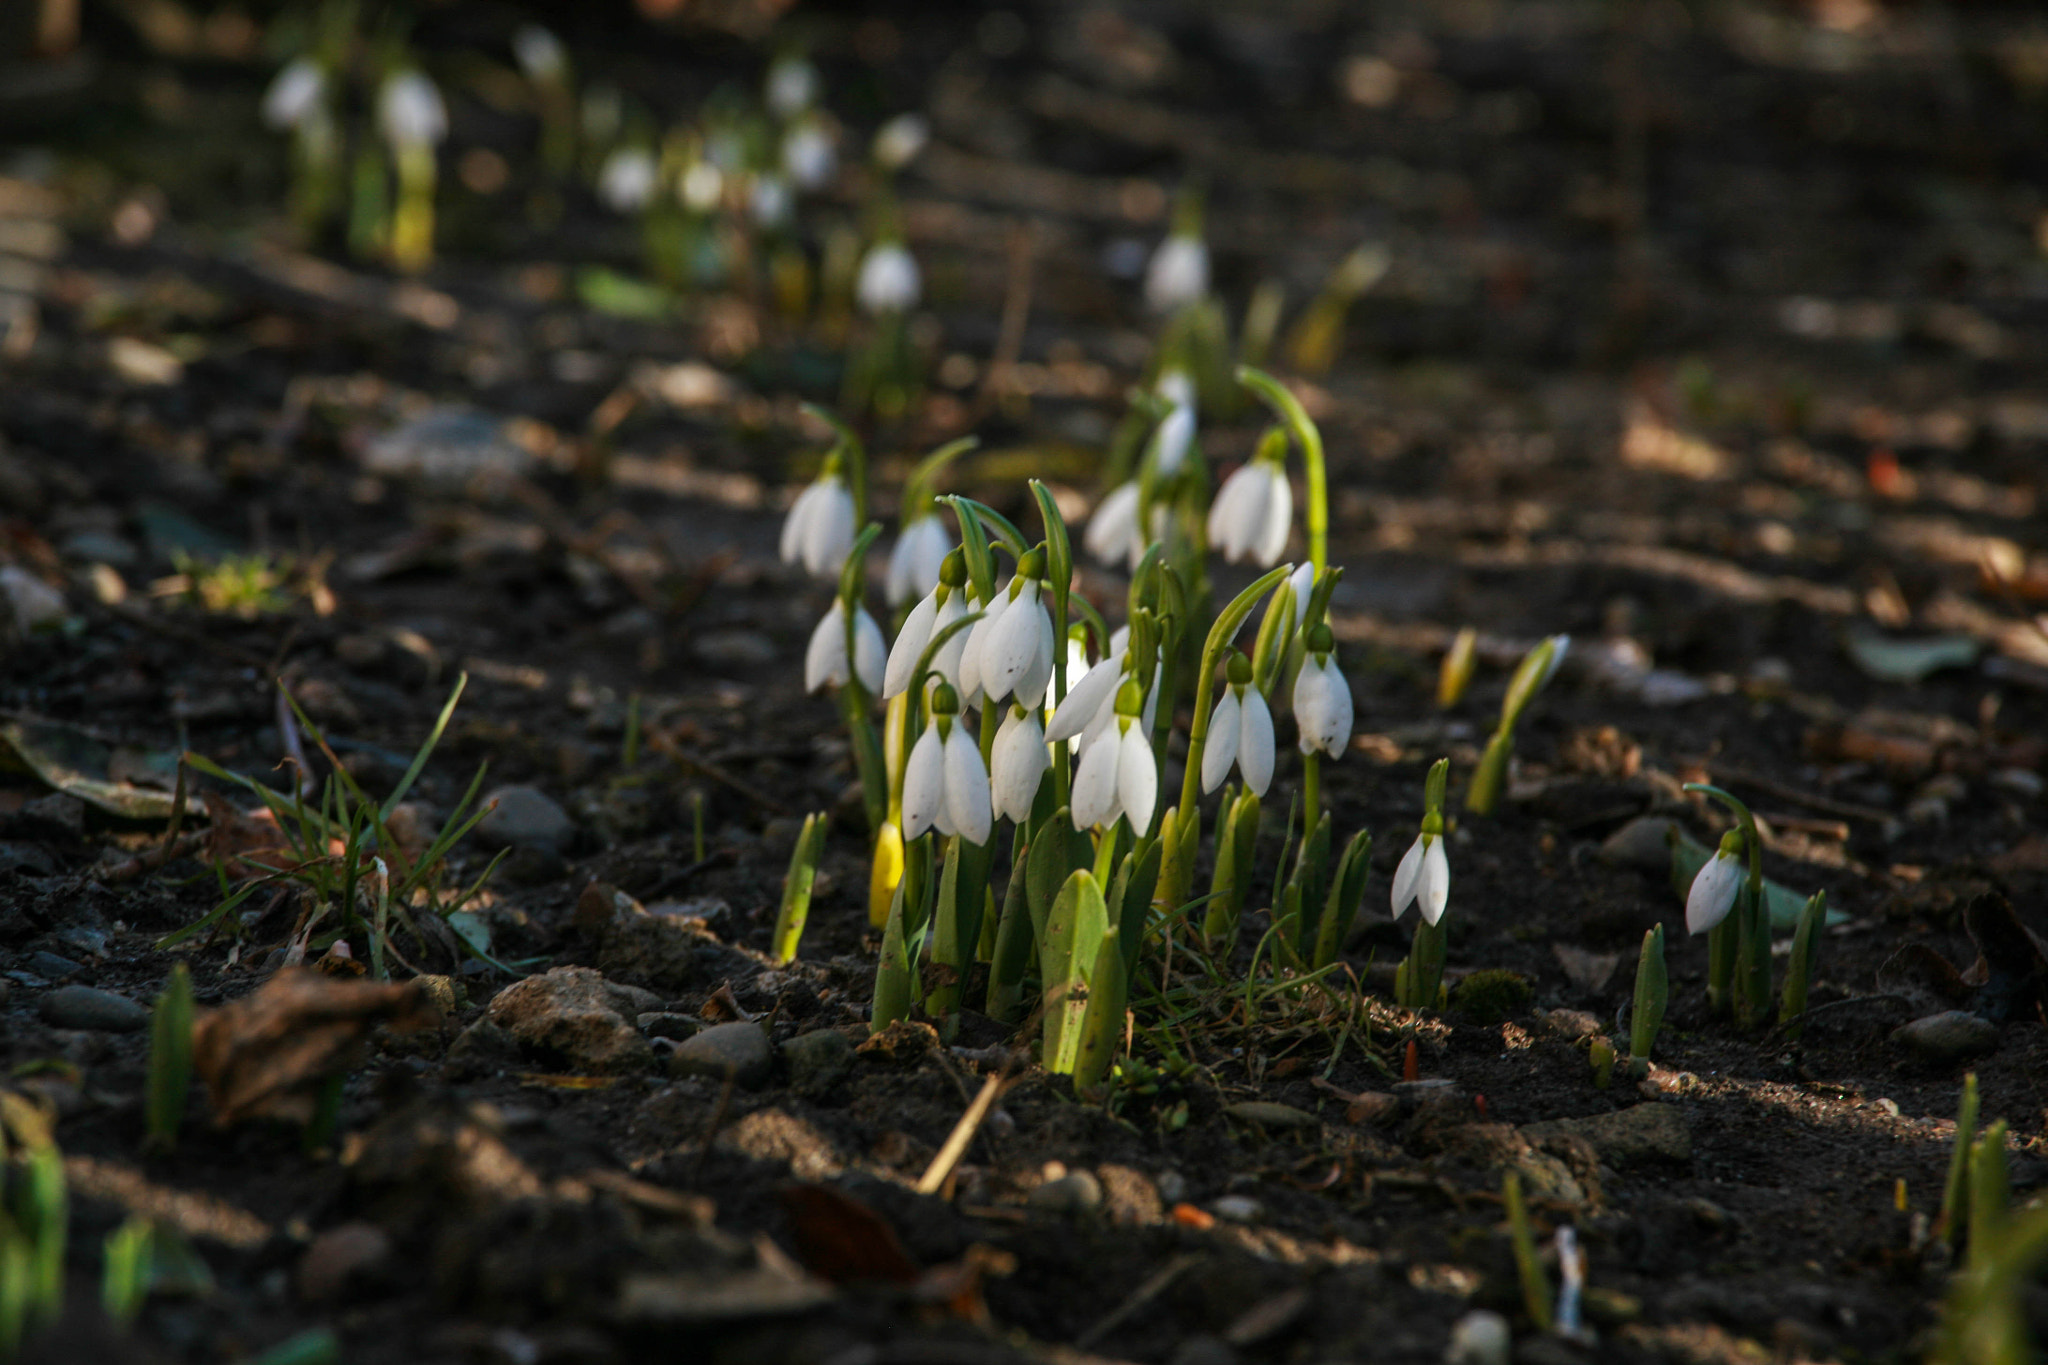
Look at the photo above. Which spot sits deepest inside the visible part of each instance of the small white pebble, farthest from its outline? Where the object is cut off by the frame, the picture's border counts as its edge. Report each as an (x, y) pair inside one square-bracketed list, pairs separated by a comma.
[(1479, 1338), (1237, 1208)]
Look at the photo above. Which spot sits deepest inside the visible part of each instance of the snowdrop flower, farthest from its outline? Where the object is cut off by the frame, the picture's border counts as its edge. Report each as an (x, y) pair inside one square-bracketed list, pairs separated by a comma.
[(1253, 512), (1010, 649), (627, 180), (898, 141), (540, 53), (807, 155), (944, 785), (702, 187), (920, 552), (1112, 535), (1322, 697), (1087, 696), (939, 608), (1104, 723), (825, 658), (1019, 762), (888, 280), (1303, 582), (1715, 886), (1424, 877), (295, 96), (410, 111), (1077, 667), (792, 86), (1118, 777), (1240, 732), (818, 532), (1173, 437), (1178, 273), (769, 200)]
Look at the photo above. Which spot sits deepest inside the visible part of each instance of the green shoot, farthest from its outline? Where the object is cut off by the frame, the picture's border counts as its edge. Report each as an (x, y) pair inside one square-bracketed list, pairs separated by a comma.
[(1799, 971), (1102, 1025), (170, 1059), (1653, 996), (796, 889), (1530, 675), (125, 1283), (1955, 1194), (1528, 1268)]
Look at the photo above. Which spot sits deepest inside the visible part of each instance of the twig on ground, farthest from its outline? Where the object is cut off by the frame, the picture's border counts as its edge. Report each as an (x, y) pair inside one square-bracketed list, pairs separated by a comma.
[(937, 1173)]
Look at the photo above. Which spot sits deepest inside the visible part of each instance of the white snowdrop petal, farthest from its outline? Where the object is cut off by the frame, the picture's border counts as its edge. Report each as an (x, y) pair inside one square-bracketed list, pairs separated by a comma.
[(1114, 525), (294, 94), (1220, 751), (967, 794), (1030, 686), (888, 281), (1177, 274), (924, 783), (1303, 581), (1084, 699), (947, 661), (1407, 877), (1095, 788), (1434, 893), (1170, 442), (1713, 893), (793, 534), (825, 656), (829, 536), (1270, 541), (1013, 644), (973, 678), (1020, 763), (1137, 779), (869, 653), (910, 643), (1255, 742)]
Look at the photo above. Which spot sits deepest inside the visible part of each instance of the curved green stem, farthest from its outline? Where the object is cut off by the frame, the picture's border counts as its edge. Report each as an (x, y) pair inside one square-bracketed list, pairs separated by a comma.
[(1220, 635), (1059, 556), (853, 452), (1311, 442), (917, 492)]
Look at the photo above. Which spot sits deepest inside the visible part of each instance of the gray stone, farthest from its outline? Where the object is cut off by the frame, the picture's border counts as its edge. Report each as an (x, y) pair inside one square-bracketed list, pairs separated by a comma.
[(84, 1007), (818, 1060), (1203, 1350), (1238, 1208), (1642, 843), (446, 445), (633, 1001), (52, 966), (571, 1012), (525, 818), (668, 1024), (1948, 1037), (1075, 1192), (738, 1049), (1643, 1132)]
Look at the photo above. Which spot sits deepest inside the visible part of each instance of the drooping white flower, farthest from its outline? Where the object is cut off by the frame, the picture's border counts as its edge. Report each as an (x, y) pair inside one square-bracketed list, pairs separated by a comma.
[(914, 563), (1014, 655), (945, 786), (1085, 698), (1240, 732), (825, 658), (1322, 703), (296, 93), (1178, 273), (888, 280), (818, 532), (792, 86), (1118, 776), (1172, 439), (1713, 892), (936, 610), (627, 180), (1423, 878), (1253, 512), (410, 112), (1077, 668), (1303, 582), (970, 684), (898, 141), (540, 53), (1112, 533), (808, 157), (1104, 723), (1019, 762)]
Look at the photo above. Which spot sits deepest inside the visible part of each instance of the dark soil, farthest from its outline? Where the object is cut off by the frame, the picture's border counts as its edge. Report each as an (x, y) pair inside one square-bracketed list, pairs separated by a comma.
[(1717, 381)]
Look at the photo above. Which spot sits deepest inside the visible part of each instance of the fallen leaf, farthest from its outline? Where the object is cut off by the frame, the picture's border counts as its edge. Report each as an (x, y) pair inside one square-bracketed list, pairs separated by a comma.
[(75, 763), (267, 1054), (841, 1239)]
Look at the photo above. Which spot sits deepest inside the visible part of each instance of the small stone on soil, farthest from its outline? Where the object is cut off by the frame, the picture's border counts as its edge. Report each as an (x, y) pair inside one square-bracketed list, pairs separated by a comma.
[(84, 1007), (1480, 1338), (1949, 1036), (738, 1048), (1076, 1192), (571, 1011), (1238, 1208), (525, 818), (818, 1060)]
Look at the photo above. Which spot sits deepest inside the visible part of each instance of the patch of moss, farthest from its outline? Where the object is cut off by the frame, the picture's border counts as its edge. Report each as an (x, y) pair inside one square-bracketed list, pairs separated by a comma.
[(1493, 995)]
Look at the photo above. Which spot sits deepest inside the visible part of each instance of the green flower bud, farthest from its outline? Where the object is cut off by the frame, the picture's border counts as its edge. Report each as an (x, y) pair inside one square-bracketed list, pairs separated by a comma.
[(945, 701), (1238, 669)]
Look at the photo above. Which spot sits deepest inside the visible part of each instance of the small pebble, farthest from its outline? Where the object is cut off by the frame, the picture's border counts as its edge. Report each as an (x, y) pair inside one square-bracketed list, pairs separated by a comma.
[(84, 1007), (739, 1048), (1077, 1192), (1238, 1208), (1949, 1036), (1173, 1187)]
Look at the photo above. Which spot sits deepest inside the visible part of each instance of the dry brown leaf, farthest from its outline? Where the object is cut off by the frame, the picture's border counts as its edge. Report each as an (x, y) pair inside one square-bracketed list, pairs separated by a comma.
[(840, 1239), (249, 843), (267, 1054)]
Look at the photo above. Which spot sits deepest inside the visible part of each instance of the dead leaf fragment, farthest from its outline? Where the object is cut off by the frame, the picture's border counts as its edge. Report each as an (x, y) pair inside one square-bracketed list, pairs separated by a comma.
[(840, 1239), (267, 1054)]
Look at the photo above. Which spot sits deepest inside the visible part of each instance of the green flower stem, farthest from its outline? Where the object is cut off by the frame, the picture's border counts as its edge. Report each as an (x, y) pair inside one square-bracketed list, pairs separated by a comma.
[(854, 454), (1311, 789), (1310, 440), (918, 499), (412, 226), (1059, 556), (1220, 636), (1749, 963)]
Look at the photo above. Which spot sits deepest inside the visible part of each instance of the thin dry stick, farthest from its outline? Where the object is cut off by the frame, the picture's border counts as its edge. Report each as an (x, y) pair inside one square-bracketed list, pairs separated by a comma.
[(1140, 1296), (962, 1134), (995, 384)]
